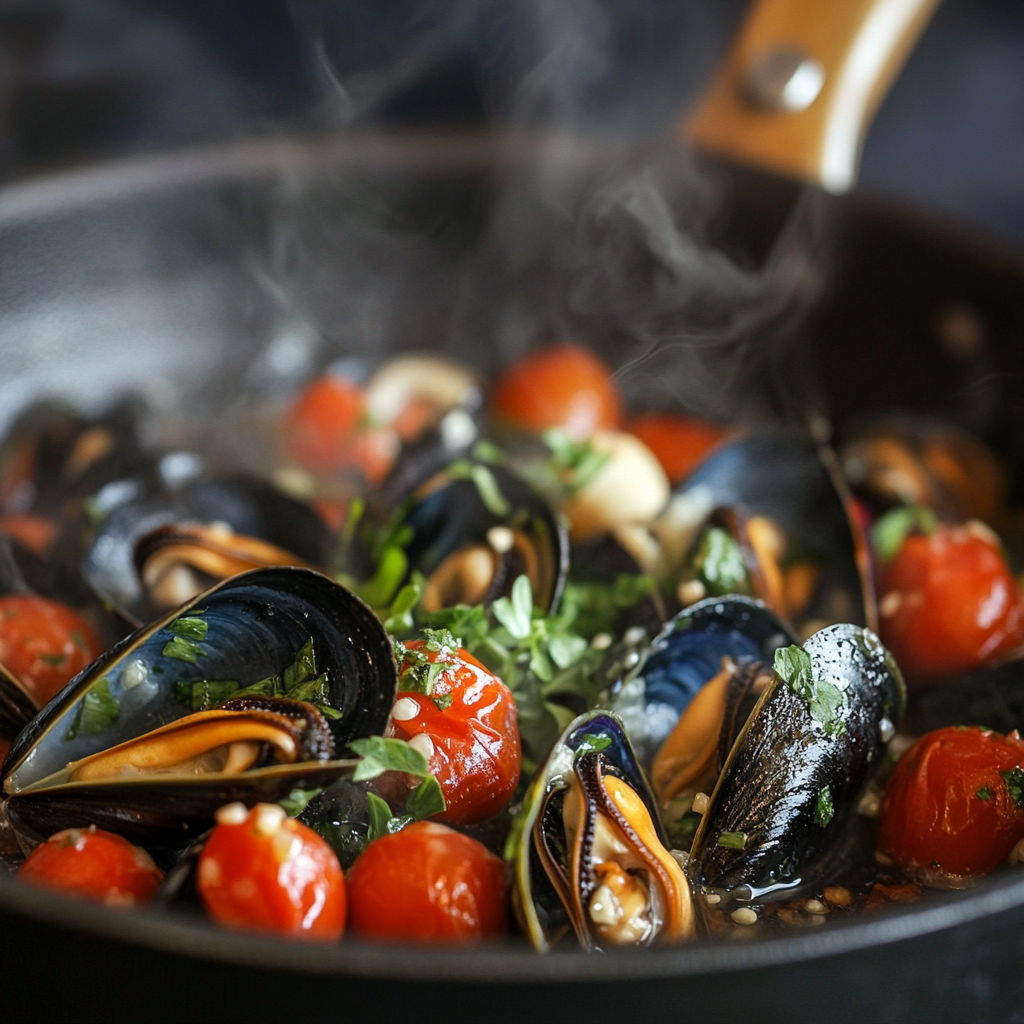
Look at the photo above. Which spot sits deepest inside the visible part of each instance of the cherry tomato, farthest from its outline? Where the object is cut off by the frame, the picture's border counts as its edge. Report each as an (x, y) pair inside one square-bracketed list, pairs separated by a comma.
[(949, 603), (468, 729), (566, 387), (37, 533), (263, 871), (93, 865), (44, 643), (427, 883), (321, 421), (947, 807), (679, 443)]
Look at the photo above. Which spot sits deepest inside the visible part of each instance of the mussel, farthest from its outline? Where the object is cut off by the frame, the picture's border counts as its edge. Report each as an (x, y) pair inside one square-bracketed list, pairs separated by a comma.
[(163, 546), (245, 694), (782, 499), (474, 529), (799, 765), (914, 460), (588, 852), (687, 654)]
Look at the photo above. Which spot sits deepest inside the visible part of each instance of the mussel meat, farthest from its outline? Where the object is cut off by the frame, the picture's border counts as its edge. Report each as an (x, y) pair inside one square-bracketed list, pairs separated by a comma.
[(588, 850)]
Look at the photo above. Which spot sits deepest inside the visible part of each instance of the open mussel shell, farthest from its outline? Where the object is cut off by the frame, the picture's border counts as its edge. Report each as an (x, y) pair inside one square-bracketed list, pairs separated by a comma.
[(158, 548), (790, 780), (783, 474), (555, 847), (472, 536), (248, 630), (687, 654), (52, 454), (17, 708), (915, 460)]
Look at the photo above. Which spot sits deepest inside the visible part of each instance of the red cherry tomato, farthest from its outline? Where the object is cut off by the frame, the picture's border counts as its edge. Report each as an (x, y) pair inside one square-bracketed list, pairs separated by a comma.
[(566, 387), (679, 443), (947, 807), (263, 871), (93, 865), (468, 729), (427, 883), (321, 421), (949, 603), (44, 643)]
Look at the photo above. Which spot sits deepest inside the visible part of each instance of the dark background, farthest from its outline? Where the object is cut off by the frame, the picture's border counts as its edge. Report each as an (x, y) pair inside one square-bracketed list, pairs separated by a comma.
[(90, 79)]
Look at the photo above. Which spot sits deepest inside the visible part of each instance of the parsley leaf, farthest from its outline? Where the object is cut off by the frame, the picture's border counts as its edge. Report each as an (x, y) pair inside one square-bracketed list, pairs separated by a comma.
[(733, 840), (1014, 780), (295, 802), (825, 810), (984, 793), (181, 648), (720, 566), (486, 485), (190, 626), (824, 699), (205, 693), (97, 711), (426, 800), (381, 755), (444, 702), (515, 613), (599, 741), (889, 533)]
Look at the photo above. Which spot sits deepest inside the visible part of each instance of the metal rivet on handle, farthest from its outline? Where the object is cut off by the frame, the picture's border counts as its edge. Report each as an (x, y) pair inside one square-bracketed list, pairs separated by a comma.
[(783, 79)]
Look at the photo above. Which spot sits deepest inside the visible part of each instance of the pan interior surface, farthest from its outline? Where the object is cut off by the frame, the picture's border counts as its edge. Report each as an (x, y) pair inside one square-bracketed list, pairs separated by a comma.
[(176, 279)]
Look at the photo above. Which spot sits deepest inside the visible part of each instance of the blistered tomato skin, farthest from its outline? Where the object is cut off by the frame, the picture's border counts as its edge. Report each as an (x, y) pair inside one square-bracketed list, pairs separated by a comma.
[(427, 884), (949, 604), (678, 442), (471, 742), (94, 865), (262, 871), (947, 808), (44, 643), (566, 386)]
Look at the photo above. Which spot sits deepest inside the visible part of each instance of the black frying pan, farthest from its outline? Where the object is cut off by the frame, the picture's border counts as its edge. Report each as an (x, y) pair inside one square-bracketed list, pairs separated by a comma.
[(184, 276)]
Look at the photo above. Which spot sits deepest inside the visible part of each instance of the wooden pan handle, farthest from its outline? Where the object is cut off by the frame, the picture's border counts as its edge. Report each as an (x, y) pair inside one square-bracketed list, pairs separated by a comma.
[(802, 83)]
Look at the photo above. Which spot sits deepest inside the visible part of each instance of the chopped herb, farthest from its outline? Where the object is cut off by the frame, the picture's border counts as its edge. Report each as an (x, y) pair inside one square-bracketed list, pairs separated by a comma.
[(601, 741), (824, 699), (183, 649), (295, 802), (399, 618), (381, 755), (486, 485), (205, 694), (889, 533), (515, 613), (416, 671), (301, 669), (53, 660), (488, 451), (1014, 780), (190, 626), (444, 702), (575, 463), (426, 799), (392, 565), (97, 711), (355, 512), (77, 639), (380, 817), (720, 566), (733, 840), (984, 793), (825, 810), (269, 687)]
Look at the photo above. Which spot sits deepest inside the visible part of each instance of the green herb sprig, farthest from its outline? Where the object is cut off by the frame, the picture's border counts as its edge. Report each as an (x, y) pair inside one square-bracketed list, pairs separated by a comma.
[(824, 699)]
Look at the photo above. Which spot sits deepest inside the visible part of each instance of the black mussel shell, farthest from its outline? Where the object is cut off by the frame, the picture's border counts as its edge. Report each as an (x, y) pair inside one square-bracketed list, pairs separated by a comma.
[(685, 655), (538, 907), (52, 455), (250, 507), (789, 784), (784, 474), (449, 514), (245, 631)]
